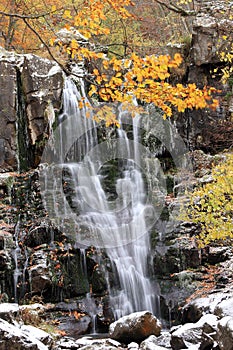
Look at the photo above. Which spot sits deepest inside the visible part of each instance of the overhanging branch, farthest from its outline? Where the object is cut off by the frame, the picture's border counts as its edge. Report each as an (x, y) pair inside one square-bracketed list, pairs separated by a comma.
[(176, 9)]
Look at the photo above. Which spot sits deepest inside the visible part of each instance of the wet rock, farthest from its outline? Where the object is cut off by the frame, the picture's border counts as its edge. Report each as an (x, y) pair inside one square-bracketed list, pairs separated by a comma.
[(39, 334), (174, 256), (9, 311), (32, 313), (212, 303), (14, 338), (43, 233), (133, 346), (208, 32), (39, 273), (224, 308), (8, 113), (6, 240), (135, 327), (190, 334), (218, 254), (163, 340), (98, 282), (87, 343), (66, 343), (5, 261), (75, 324), (151, 343), (225, 333), (34, 82), (42, 84)]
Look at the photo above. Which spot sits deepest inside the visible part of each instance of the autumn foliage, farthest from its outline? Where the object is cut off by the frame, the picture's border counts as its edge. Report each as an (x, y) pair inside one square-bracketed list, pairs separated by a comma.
[(211, 205), (31, 24)]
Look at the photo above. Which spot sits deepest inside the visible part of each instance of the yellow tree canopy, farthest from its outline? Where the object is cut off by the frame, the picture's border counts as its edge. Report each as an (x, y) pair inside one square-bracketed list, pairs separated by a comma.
[(114, 78), (211, 205)]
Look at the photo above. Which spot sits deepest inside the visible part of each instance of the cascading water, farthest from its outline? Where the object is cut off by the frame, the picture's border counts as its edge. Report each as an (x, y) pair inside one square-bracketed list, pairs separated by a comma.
[(16, 256), (119, 226)]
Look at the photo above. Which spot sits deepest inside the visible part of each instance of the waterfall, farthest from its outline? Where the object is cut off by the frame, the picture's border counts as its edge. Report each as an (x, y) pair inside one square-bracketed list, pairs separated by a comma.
[(121, 224), (16, 255)]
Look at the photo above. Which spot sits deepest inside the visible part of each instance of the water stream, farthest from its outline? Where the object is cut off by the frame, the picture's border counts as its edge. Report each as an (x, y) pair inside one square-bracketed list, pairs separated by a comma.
[(120, 224)]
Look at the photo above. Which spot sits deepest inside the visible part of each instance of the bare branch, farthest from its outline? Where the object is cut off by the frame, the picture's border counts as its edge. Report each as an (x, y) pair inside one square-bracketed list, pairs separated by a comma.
[(17, 15), (65, 70), (45, 45), (176, 9)]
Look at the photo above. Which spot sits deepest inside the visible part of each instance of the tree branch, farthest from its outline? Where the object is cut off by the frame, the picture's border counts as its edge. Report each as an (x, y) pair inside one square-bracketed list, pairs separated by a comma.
[(17, 15), (65, 70), (176, 9)]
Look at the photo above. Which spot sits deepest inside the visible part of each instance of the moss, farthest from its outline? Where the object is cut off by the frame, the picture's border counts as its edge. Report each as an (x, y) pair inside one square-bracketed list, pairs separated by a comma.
[(154, 239), (68, 278)]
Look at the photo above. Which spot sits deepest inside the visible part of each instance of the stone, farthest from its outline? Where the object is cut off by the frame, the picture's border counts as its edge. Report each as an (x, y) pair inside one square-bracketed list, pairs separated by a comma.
[(8, 116), (42, 81), (163, 340), (39, 272), (14, 338), (218, 254), (34, 82), (74, 325), (5, 261), (87, 343), (207, 36), (133, 346), (225, 333), (194, 333), (39, 334), (224, 308), (135, 327), (6, 240), (194, 310), (66, 343), (98, 282), (9, 311), (151, 344)]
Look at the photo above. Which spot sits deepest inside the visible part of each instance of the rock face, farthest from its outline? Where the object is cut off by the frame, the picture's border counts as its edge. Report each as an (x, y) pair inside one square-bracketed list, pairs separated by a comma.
[(211, 131), (209, 29), (135, 327), (31, 93)]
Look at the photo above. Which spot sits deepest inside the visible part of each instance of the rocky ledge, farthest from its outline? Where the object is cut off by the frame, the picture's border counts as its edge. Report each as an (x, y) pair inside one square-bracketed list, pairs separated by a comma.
[(207, 325)]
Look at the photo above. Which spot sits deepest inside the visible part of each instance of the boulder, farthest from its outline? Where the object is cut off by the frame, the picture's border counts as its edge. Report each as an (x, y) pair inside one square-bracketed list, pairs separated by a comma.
[(224, 308), (151, 344), (135, 327), (39, 334), (133, 346), (199, 333), (9, 311), (225, 333), (75, 324), (14, 338), (87, 343), (66, 343), (194, 310)]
